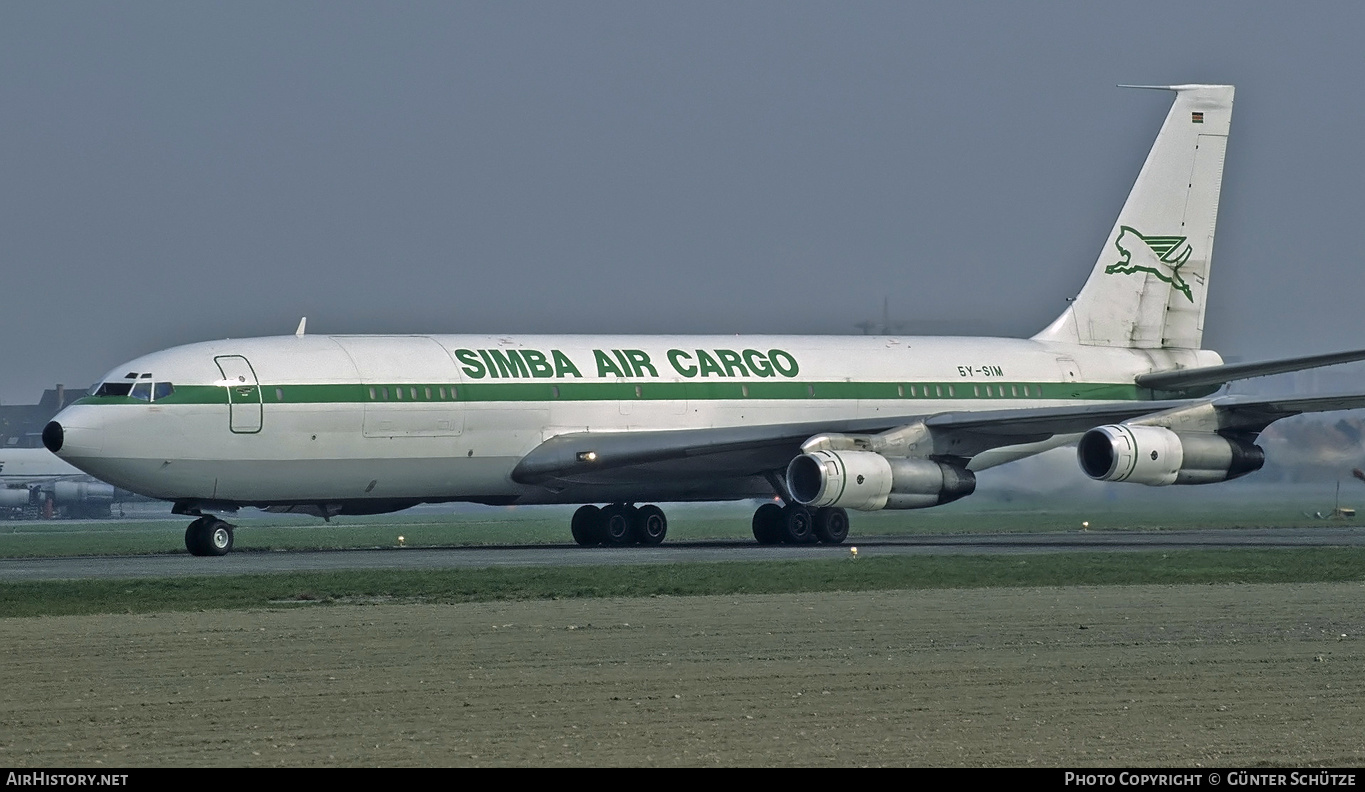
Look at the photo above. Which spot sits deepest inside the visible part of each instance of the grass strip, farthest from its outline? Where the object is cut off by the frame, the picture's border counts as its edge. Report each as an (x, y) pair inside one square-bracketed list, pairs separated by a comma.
[(550, 525), (53, 598)]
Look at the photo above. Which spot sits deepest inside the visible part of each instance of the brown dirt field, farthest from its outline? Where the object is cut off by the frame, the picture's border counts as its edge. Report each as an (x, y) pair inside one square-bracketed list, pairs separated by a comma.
[(1152, 675)]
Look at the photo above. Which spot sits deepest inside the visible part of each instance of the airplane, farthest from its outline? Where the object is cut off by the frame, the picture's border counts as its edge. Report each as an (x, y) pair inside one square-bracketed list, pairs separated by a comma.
[(34, 482), (364, 424)]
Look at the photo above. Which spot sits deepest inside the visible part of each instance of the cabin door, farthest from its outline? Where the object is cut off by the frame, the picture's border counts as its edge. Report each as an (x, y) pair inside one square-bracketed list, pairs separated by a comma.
[(243, 393)]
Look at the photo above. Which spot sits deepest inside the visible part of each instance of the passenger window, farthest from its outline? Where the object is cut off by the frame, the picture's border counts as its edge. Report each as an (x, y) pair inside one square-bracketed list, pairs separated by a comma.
[(142, 391), (428, 392), (161, 390), (279, 394), (443, 394)]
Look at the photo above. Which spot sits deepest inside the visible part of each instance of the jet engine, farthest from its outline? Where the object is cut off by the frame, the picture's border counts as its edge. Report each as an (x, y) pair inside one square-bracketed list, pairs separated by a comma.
[(1157, 456), (70, 492), (14, 498), (868, 481)]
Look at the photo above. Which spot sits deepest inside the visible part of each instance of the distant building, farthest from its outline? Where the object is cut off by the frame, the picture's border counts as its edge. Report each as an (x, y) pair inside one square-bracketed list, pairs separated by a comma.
[(21, 425)]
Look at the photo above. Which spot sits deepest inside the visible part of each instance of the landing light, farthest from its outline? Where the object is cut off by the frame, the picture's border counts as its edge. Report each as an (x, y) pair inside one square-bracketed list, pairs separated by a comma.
[(587, 456)]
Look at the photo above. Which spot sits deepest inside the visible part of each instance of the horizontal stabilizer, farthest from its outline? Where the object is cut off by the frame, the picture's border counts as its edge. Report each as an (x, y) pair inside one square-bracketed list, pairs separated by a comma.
[(1184, 379)]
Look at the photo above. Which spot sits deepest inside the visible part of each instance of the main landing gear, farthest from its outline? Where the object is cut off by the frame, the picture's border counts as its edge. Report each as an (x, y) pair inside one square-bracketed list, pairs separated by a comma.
[(208, 536), (622, 524), (797, 524), (618, 525)]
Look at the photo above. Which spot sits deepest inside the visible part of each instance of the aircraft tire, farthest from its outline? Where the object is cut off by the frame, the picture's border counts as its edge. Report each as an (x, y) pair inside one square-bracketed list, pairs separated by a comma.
[(218, 538), (587, 526), (798, 525), (650, 526), (196, 537), (616, 525), (768, 524), (831, 525)]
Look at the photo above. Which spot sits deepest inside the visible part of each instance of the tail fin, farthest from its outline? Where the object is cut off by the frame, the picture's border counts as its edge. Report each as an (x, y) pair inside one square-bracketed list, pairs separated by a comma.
[(1147, 290)]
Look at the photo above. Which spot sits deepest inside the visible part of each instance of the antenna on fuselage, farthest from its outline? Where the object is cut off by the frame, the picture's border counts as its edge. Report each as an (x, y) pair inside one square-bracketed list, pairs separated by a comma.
[(299, 332)]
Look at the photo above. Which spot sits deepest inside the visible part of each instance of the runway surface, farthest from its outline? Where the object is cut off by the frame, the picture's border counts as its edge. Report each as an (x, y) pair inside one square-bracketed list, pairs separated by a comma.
[(250, 563)]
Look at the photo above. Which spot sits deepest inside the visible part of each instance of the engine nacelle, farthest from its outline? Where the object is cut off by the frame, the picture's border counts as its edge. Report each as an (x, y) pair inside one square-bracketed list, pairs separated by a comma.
[(868, 481), (69, 492), (1156, 456), (15, 497)]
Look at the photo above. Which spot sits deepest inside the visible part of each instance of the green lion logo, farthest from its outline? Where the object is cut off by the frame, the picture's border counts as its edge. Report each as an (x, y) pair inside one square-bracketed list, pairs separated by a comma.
[(1162, 256)]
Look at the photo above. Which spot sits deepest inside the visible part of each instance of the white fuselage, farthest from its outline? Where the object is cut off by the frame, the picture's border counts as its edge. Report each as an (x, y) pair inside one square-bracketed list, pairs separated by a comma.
[(326, 418), (20, 466), (316, 419)]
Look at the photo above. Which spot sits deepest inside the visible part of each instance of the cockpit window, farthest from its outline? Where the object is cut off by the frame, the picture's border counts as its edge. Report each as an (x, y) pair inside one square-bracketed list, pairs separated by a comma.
[(141, 389), (113, 389)]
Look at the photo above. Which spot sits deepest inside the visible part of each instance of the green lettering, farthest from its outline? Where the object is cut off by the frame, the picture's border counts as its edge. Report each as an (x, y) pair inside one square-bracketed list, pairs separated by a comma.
[(563, 365), (639, 362), (509, 363), (605, 365), (783, 362), (758, 364), (492, 370), (673, 357), (472, 367), (730, 359), (708, 364), (535, 360), (621, 358)]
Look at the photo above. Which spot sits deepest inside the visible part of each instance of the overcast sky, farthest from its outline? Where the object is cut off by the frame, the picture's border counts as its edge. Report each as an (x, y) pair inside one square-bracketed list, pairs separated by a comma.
[(177, 172)]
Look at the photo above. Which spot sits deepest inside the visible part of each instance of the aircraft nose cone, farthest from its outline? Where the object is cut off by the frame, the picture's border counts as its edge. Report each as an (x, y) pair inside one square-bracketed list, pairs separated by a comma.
[(53, 436)]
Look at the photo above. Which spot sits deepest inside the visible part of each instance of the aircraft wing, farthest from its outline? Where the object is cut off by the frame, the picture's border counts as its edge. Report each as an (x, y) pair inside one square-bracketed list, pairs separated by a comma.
[(1252, 414), (1181, 379), (598, 457)]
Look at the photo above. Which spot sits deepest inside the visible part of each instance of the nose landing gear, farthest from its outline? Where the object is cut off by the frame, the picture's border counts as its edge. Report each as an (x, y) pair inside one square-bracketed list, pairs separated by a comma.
[(208, 536)]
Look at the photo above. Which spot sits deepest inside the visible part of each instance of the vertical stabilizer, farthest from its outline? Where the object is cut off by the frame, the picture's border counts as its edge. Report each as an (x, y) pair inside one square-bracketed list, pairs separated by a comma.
[(1148, 288)]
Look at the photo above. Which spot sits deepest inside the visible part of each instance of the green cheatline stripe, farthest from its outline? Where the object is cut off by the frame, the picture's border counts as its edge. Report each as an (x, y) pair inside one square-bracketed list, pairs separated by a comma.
[(559, 390)]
